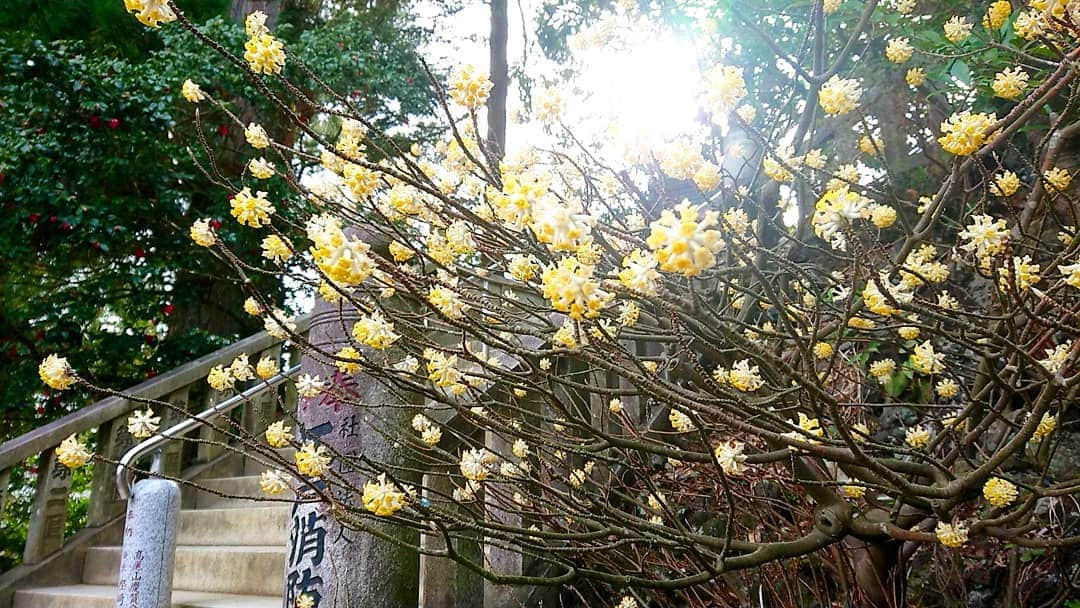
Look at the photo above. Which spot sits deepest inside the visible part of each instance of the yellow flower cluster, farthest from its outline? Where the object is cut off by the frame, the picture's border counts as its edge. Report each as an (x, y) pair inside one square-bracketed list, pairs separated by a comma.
[(997, 14), (1010, 83), (72, 453), (192, 92), (443, 372), (345, 261), (963, 133), (1018, 272), (1047, 424), (952, 536), (680, 421), (838, 96), (202, 233), (548, 105), (920, 266), (835, 210), (251, 210), (917, 437), (448, 302), (382, 497), (476, 464), (523, 267), (142, 424), (563, 227), (266, 367), (957, 29), (744, 377), (55, 372), (278, 435), (985, 236), (999, 492), (1057, 178), (925, 361), (469, 87), (273, 482), (375, 331), (899, 50), (572, 289), (1005, 183), (639, 272), (256, 136), (275, 248), (915, 77), (725, 87), (685, 240), (151, 13), (265, 54), (1056, 357), (311, 461), (259, 168), (729, 455)]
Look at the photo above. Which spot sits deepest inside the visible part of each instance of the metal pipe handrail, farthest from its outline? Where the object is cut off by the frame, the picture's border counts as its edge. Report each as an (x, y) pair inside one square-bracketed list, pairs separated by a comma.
[(124, 470)]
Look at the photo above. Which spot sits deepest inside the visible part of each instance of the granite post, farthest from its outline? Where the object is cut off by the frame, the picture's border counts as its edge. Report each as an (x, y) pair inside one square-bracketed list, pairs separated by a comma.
[(146, 559), (325, 560)]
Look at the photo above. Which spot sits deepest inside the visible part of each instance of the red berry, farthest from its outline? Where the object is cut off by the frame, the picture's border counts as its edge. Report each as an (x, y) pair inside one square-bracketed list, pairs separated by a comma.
[(52, 219), (66, 227), (167, 309), (95, 121), (114, 123), (34, 217), (215, 224), (139, 252), (150, 373), (223, 130), (95, 244)]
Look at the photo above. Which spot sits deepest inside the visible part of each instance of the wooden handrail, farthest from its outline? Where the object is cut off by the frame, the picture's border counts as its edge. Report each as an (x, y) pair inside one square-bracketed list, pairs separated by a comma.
[(20, 448)]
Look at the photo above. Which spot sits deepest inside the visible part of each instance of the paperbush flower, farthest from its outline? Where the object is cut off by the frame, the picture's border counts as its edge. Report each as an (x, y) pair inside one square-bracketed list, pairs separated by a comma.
[(72, 453), (56, 373)]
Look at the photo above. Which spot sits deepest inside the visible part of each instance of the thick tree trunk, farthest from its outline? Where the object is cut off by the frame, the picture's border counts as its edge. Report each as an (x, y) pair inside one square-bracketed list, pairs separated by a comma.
[(500, 78)]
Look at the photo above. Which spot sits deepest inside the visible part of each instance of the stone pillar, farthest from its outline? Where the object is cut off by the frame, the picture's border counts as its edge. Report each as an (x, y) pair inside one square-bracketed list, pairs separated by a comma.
[(146, 560), (497, 559), (334, 565), (443, 583), (260, 412), (172, 453), (48, 514), (105, 503)]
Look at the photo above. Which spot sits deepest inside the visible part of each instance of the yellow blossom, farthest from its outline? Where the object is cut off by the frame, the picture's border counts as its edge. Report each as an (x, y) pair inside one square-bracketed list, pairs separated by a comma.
[(278, 435), (838, 96), (823, 350), (1047, 424), (997, 14), (264, 54), (947, 388), (917, 437), (192, 92), (252, 307), (256, 136), (347, 360), (1056, 357), (963, 133), (72, 453), (729, 455), (899, 50), (1058, 179), (572, 289), (273, 482), (680, 421), (685, 240), (1018, 272), (448, 302), (275, 248), (1005, 183), (266, 368), (476, 464), (915, 77), (259, 168), (255, 24), (375, 331), (345, 261), (725, 87), (400, 252), (142, 424), (220, 378), (202, 233), (55, 372), (1010, 83), (853, 492), (382, 497), (882, 216), (744, 377), (151, 13), (952, 536), (469, 87), (629, 313), (999, 492), (957, 29), (311, 461), (925, 361), (249, 210)]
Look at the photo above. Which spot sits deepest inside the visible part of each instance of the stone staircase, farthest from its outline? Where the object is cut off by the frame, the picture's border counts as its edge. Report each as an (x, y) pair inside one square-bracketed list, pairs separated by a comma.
[(230, 552)]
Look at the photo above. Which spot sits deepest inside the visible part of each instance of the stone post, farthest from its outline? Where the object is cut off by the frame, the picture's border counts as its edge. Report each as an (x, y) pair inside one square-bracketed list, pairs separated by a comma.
[(332, 564), (48, 514), (443, 583), (146, 560), (105, 503)]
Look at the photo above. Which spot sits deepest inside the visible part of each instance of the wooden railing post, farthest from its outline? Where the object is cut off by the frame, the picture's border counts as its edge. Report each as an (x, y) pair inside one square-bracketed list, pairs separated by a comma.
[(210, 438), (113, 441), (258, 414), (5, 482), (48, 515)]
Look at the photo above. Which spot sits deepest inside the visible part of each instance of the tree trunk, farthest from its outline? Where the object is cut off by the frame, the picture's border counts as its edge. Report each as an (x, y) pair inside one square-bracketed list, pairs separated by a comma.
[(500, 79)]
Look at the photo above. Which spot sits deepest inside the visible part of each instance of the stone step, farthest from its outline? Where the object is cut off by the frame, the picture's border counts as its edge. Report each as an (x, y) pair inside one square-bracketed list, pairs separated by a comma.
[(255, 570), (265, 526), (253, 465), (235, 490), (104, 596)]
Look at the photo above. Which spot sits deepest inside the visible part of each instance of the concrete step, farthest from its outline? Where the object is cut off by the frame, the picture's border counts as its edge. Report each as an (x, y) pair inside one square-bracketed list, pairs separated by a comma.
[(255, 570), (104, 596), (265, 526), (255, 467), (235, 490)]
